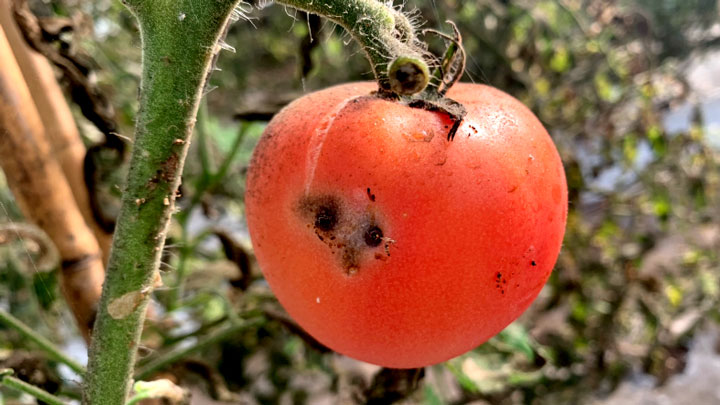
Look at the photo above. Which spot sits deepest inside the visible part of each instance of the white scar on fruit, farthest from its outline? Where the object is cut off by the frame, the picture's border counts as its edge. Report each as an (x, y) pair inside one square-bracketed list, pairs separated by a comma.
[(317, 141)]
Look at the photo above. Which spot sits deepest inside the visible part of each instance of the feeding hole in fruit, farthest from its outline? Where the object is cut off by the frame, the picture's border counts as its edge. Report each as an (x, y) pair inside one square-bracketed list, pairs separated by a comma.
[(323, 212), (373, 236), (352, 235), (325, 219)]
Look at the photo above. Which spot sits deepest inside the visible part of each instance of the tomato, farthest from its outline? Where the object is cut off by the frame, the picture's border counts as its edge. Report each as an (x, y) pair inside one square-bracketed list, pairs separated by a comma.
[(390, 244)]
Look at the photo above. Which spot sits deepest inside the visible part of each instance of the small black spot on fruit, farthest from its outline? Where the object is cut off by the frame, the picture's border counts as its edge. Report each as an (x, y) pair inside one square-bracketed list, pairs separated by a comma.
[(532, 263), (373, 236), (371, 196)]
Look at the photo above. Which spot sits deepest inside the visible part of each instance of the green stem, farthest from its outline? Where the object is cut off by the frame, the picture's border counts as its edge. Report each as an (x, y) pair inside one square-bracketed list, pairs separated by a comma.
[(170, 340), (234, 149), (179, 39), (186, 250), (53, 351), (384, 34), (202, 136), (208, 180), (211, 339), (8, 380)]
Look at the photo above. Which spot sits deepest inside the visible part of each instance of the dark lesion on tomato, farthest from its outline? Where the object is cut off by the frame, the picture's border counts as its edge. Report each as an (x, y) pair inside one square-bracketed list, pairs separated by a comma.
[(326, 219), (323, 213), (349, 235), (373, 236)]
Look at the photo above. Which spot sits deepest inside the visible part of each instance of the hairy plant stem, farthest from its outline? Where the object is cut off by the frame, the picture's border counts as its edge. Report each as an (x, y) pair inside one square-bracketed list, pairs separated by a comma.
[(8, 380), (383, 33), (53, 351), (179, 39)]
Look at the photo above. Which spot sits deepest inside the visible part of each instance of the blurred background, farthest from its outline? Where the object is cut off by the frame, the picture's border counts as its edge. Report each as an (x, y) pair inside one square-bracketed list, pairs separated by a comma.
[(628, 89)]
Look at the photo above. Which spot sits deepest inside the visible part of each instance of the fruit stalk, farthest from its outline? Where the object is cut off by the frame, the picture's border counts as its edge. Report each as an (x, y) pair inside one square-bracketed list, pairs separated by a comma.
[(384, 33), (179, 40)]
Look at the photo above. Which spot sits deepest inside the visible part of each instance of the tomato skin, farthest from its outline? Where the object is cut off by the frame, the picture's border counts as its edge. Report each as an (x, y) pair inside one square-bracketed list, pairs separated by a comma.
[(470, 229)]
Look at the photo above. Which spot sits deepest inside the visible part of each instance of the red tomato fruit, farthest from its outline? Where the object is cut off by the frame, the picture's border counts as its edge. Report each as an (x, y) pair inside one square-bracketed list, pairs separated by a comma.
[(391, 244)]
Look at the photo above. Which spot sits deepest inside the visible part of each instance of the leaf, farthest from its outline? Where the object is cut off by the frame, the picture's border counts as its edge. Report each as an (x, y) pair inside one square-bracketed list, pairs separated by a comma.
[(465, 382), (661, 206), (517, 337), (709, 283), (560, 61), (214, 308), (674, 294), (606, 90), (542, 86), (431, 397), (657, 140), (630, 144)]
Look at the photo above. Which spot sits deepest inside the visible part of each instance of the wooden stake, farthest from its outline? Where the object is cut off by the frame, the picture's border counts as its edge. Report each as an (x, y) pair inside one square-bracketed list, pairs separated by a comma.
[(43, 194), (60, 128)]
